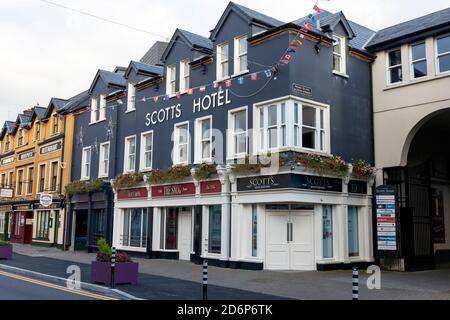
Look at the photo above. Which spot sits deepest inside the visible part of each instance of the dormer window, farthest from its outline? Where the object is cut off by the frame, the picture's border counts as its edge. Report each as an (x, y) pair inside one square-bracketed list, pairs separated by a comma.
[(20, 138), (37, 131), (184, 75), (240, 55), (55, 123), (339, 55), (131, 100), (94, 110), (102, 111), (171, 79), (222, 61), (8, 143)]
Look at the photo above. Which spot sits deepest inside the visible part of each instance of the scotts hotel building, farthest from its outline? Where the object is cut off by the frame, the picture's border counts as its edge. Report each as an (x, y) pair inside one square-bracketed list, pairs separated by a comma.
[(174, 150)]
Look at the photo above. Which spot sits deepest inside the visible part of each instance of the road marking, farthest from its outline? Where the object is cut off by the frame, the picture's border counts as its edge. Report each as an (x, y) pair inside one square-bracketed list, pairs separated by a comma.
[(58, 287)]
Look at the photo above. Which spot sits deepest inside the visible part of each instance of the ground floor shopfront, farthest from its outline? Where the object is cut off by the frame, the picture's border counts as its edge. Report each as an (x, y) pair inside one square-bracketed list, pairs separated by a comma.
[(28, 222), (285, 221), (89, 219)]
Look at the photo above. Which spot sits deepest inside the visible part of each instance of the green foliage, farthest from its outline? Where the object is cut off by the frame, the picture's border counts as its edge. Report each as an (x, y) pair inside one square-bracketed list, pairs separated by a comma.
[(204, 171), (173, 174), (103, 247), (128, 180), (4, 243), (324, 165), (250, 166), (84, 186)]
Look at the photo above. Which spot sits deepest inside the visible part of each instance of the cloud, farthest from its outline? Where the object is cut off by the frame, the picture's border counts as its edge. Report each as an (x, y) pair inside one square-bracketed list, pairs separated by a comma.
[(52, 52)]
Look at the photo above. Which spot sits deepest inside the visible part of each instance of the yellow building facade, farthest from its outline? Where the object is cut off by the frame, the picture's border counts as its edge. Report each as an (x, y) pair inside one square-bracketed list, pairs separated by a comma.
[(35, 167)]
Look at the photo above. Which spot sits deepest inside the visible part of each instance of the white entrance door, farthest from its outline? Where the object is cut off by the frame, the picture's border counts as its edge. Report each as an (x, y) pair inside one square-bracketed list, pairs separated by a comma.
[(290, 241), (185, 235)]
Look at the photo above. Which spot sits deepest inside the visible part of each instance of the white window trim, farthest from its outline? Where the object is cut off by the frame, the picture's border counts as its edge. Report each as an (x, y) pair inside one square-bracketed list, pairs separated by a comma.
[(20, 132), (236, 65), (17, 182), (437, 55), (102, 159), (411, 66), (127, 154), (175, 152), (219, 62), (28, 180), (94, 110), (169, 80), (131, 97), (142, 166), (39, 176), (388, 67), (231, 132), (184, 65), (83, 162), (102, 108), (36, 125), (128, 212), (198, 140), (289, 123), (53, 124), (50, 175), (342, 55)]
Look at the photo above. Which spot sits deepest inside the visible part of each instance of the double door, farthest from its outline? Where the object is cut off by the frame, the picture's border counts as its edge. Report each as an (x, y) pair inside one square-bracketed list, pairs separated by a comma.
[(290, 240)]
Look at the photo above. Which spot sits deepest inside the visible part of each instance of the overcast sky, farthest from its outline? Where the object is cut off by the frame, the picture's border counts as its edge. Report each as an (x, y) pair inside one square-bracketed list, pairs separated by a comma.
[(47, 51)]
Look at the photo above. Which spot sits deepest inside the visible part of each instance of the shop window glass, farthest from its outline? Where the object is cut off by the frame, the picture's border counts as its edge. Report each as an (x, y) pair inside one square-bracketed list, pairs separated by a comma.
[(327, 232), (353, 232), (215, 229)]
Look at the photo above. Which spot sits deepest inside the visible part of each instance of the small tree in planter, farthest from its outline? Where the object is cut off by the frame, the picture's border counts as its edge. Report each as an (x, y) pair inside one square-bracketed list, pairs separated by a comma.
[(126, 271), (5, 250)]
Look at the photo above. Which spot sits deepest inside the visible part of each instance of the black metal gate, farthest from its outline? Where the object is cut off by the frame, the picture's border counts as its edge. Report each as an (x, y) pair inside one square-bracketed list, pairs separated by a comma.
[(413, 186)]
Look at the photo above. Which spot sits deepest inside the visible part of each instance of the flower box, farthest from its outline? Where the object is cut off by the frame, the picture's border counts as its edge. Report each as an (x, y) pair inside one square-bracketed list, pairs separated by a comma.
[(6, 252), (125, 273)]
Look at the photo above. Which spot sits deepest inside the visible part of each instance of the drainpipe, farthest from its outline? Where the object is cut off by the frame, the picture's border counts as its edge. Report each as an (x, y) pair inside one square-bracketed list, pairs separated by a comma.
[(63, 204)]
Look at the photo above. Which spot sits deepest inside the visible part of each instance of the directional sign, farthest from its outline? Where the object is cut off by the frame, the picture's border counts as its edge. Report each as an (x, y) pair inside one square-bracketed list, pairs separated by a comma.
[(386, 216)]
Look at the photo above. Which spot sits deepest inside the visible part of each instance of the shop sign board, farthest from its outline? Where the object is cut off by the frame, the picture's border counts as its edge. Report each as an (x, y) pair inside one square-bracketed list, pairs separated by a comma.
[(175, 190), (208, 187), (136, 193), (386, 219)]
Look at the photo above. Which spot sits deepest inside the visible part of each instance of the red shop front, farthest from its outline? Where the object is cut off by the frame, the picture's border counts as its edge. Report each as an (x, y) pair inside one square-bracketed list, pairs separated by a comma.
[(22, 224)]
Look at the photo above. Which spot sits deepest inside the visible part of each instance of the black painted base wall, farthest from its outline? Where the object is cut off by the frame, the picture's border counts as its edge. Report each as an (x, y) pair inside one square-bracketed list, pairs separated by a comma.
[(343, 266)]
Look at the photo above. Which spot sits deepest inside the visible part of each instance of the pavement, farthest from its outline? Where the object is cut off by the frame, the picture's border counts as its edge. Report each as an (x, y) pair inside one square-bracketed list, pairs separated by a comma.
[(179, 280)]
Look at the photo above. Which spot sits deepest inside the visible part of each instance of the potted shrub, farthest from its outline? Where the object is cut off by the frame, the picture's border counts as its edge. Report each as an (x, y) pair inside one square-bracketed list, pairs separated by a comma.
[(5, 250), (126, 271)]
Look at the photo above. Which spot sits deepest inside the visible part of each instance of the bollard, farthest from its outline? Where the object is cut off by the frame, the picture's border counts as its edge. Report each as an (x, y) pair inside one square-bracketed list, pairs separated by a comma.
[(355, 284), (205, 279), (113, 266)]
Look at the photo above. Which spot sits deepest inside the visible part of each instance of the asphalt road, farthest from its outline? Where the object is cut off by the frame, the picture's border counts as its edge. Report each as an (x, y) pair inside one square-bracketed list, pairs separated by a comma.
[(17, 287)]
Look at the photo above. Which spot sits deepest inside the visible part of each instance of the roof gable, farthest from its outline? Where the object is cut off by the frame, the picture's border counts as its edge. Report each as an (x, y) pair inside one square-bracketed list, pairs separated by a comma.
[(250, 15), (111, 79), (194, 41), (144, 69), (9, 127)]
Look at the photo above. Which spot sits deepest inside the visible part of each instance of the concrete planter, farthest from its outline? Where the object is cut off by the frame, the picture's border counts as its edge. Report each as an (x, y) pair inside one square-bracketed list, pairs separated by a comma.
[(125, 273), (6, 252)]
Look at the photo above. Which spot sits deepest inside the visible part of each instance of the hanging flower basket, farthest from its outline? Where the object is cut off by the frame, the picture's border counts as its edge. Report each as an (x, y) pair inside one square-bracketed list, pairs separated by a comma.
[(362, 168), (173, 174), (78, 187), (323, 165), (128, 180), (205, 171)]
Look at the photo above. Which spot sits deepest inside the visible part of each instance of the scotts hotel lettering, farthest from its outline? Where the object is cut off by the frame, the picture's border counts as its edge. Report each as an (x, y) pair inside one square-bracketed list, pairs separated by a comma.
[(286, 181), (213, 100), (50, 148)]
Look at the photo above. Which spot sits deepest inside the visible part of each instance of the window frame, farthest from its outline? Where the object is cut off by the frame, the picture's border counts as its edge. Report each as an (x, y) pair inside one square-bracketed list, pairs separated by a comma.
[(19, 182), (231, 147), (238, 56), (131, 97), (171, 70), (8, 143), (176, 144), (94, 110), (84, 163), (412, 62), (438, 55), (198, 145), (388, 67), (221, 61), (40, 176), (53, 188), (184, 65), (127, 154), (102, 108), (37, 131), (20, 138), (143, 151), (55, 124), (10, 179), (45, 233), (30, 180), (342, 54), (290, 101), (103, 172), (128, 211)]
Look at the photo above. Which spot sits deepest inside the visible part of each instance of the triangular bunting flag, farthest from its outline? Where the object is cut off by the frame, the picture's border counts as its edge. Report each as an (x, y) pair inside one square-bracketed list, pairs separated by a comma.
[(155, 99), (202, 89), (317, 9), (240, 80), (268, 73), (228, 83), (178, 95), (308, 26), (190, 91), (254, 76)]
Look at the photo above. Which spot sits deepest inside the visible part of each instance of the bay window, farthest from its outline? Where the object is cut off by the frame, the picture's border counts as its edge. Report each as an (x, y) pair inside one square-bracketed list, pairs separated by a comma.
[(418, 61), (222, 61), (146, 151), (292, 124), (203, 136), (135, 228), (130, 154), (240, 55), (171, 79), (395, 72), (443, 54), (181, 143)]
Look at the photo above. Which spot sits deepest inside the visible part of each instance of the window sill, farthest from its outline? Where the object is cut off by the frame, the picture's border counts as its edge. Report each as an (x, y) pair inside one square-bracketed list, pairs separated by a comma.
[(130, 111), (239, 74), (223, 79), (146, 170), (339, 74), (103, 176), (295, 149), (416, 81), (92, 123)]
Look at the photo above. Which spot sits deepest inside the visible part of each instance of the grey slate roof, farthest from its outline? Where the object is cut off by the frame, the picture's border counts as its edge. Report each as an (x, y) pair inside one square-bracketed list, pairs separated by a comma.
[(139, 66), (112, 78), (154, 54), (197, 40), (11, 126), (77, 101), (362, 34), (254, 15), (430, 21), (58, 103), (23, 119), (40, 111)]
